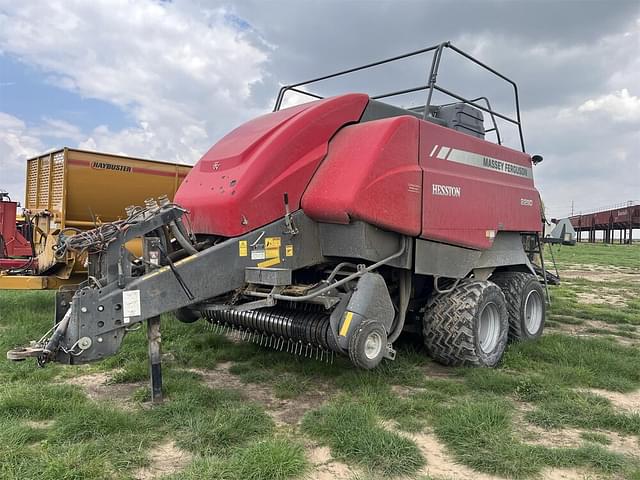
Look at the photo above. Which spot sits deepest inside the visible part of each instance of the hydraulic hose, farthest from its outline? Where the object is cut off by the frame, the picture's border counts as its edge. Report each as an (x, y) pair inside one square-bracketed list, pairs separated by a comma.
[(182, 240), (58, 334), (304, 298)]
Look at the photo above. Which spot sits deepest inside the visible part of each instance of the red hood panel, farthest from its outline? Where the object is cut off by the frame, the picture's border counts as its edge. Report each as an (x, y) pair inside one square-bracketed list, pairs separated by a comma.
[(371, 174), (238, 185)]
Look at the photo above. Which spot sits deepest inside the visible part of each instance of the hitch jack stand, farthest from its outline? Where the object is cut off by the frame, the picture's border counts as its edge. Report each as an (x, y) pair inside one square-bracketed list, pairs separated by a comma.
[(155, 365)]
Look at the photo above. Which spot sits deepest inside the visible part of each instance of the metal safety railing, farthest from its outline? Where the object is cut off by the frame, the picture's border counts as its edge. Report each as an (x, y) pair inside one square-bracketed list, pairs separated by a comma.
[(607, 208), (431, 87)]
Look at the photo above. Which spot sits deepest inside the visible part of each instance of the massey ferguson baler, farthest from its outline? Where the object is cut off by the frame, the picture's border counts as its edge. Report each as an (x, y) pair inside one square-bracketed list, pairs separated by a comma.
[(329, 228)]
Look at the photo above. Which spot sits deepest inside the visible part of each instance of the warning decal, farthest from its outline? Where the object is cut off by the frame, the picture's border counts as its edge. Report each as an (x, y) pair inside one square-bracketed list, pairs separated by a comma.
[(272, 242), (131, 303), (242, 248)]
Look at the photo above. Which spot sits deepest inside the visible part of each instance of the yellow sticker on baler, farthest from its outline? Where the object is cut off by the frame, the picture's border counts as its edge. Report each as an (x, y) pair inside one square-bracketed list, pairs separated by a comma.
[(288, 250), (272, 247), (346, 324), (242, 248), (272, 242), (271, 252), (269, 263)]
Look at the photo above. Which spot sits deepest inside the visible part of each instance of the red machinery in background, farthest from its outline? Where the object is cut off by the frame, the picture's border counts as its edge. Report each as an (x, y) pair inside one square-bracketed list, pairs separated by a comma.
[(16, 249)]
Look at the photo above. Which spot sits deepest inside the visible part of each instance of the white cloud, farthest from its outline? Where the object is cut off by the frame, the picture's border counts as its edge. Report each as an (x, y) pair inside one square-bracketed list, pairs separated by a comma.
[(581, 111), (292, 99), (589, 159), (144, 141), (16, 145), (59, 129), (15, 140), (184, 76), (620, 106)]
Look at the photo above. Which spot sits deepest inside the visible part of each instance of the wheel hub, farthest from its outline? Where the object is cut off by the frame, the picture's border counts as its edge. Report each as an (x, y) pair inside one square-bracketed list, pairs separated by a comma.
[(533, 312), (373, 345), (489, 329)]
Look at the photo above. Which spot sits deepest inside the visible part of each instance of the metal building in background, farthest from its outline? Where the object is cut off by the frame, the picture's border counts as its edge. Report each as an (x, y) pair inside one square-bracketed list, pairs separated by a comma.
[(623, 218)]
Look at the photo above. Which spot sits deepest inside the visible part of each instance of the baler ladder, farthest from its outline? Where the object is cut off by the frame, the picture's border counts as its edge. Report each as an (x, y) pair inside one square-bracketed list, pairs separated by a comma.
[(536, 249)]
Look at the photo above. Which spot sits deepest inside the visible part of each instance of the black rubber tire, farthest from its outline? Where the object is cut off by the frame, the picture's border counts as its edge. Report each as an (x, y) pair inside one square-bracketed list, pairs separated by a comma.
[(517, 286), (357, 344), (186, 316), (451, 325)]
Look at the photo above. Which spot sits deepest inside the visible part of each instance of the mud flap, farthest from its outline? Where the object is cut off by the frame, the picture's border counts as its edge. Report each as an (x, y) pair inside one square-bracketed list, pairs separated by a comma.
[(370, 300)]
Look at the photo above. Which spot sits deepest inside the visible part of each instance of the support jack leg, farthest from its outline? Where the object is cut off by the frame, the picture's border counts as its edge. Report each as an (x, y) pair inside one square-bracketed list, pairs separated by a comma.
[(155, 364)]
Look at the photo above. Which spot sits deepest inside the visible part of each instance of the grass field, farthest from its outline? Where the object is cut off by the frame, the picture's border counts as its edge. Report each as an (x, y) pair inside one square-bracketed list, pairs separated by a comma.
[(567, 406)]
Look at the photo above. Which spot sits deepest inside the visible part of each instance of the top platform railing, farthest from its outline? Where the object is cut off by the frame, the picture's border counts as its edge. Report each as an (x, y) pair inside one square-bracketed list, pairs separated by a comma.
[(430, 87)]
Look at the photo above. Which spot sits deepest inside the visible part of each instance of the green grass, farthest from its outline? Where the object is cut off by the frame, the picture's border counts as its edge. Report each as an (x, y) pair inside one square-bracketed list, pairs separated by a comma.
[(595, 437), (100, 434), (578, 362), (566, 306), (583, 410), (362, 416), (597, 254), (273, 459), (481, 434), (616, 333), (352, 432), (88, 439)]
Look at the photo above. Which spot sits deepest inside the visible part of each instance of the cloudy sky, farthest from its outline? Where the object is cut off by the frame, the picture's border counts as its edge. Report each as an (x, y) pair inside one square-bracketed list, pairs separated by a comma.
[(166, 79)]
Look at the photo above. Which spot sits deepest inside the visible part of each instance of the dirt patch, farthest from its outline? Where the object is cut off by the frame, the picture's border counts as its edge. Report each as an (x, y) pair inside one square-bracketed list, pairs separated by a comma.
[(625, 444), (97, 387), (568, 438), (571, 438), (283, 411), (629, 402), (601, 298), (325, 467), (585, 330), (439, 462), (601, 273), (165, 459), (435, 370), (552, 438), (566, 474), (404, 391), (39, 424)]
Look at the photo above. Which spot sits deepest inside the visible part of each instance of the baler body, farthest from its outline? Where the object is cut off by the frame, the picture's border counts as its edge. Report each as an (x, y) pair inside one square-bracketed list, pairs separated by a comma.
[(330, 227), (402, 174)]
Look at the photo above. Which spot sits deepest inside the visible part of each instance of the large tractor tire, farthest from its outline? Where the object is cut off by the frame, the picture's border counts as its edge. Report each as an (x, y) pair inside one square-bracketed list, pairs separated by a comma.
[(525, 304), (468, 326)]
